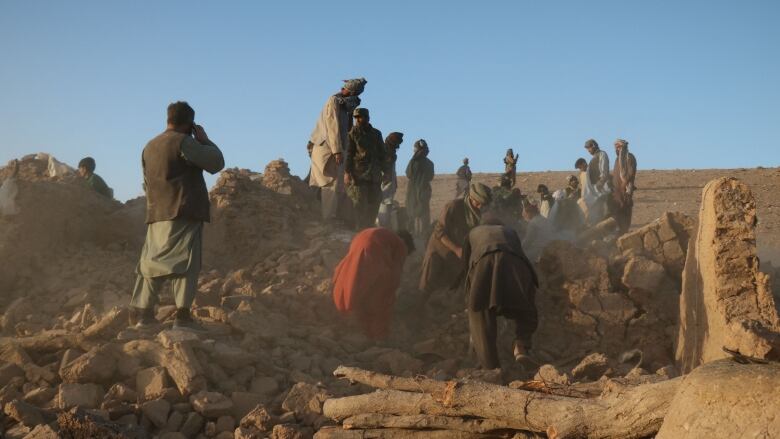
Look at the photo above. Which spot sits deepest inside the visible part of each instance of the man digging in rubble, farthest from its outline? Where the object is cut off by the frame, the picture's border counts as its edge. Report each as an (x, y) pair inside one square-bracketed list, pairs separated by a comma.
[(177, 204), (93, 181), (388, 207), (623, 177), (329, 142), (365, 169), (366, 280), (443, 265), (500, 281)]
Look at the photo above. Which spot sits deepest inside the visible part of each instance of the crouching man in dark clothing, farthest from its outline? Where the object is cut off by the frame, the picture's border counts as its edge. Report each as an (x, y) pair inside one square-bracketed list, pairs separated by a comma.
[(500, 281)]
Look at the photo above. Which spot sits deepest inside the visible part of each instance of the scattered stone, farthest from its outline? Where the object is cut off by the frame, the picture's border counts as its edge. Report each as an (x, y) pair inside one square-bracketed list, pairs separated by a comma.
[(291, 431), (258, 419), (305, 400), (95, 366), (192, 425), (79, 395), (211, 404), (40, 396), (22, 412), (550, 374), (42, 431), (151, 383), (591, 367), (157, 411)]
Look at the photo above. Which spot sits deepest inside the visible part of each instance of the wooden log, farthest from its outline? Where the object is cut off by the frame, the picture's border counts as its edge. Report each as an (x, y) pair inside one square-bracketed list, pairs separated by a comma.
[(425, 422), (399, 433), (383, 381), (634, 413)]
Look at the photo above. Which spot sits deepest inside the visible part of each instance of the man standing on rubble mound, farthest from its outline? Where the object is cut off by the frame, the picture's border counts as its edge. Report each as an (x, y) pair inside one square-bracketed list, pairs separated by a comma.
[(177, 205), (500, 281), (329, 143)]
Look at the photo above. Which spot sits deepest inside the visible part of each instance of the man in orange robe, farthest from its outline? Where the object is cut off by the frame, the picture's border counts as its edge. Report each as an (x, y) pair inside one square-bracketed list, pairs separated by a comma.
[(365, 281)]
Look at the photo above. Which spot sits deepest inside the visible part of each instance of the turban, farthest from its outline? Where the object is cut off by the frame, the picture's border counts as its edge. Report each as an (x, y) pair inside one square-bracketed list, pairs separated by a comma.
[(622, 143), (420, 144), (480, 193), (395, 138), (590, 143), (355, 86)]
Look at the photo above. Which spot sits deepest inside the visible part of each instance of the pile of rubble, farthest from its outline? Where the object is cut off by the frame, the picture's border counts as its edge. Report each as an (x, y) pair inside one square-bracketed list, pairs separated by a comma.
[(71, 367), (727, 332)]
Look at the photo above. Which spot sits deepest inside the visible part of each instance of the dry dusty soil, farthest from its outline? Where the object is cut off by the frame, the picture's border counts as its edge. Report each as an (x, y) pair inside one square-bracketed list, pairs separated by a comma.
[(657, 192)]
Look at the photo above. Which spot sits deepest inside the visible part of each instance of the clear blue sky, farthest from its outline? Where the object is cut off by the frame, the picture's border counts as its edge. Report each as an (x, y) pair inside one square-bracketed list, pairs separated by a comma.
[(690, 84)]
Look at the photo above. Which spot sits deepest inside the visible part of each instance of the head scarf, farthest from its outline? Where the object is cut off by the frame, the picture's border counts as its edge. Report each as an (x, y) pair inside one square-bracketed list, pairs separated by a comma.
[(622, 159), (622, 143), (482, 194), (591, 143), (394, 138), (355, 86), (420, 144)]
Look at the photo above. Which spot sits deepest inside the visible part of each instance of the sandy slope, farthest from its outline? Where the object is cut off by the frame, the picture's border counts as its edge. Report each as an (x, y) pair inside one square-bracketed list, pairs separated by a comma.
[(658, 191)]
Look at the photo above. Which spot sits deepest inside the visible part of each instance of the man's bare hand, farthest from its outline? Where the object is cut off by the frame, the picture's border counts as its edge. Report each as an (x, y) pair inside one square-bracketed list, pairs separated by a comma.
[(459, 252), (347, 179), (339, 158), (200, 134)]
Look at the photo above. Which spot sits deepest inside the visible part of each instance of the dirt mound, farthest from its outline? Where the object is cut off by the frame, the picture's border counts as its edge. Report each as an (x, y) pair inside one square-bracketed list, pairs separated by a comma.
[(250, 220), (64, 236)]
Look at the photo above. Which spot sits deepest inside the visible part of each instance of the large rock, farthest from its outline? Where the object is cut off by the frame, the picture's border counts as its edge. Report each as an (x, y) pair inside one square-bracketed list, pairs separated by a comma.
[(79, 395), (725, 300), (725, 399), (305, 400), (151, 383), (94, 366)]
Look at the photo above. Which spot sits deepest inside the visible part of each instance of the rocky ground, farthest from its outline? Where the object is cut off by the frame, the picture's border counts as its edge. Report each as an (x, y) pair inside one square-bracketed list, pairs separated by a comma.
[(70, 366)]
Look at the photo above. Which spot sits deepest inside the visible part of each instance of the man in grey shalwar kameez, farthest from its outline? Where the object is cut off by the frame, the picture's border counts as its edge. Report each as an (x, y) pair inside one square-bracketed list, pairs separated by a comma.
[(177, 204), (329, 144)]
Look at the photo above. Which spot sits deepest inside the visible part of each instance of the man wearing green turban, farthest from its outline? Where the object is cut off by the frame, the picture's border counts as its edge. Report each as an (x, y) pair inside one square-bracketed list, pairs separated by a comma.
[(443, 257)]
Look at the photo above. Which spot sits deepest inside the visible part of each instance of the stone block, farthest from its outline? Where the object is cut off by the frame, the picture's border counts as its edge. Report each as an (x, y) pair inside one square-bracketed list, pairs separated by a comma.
[(211, 405), (71, 395), (650, 241), (157, 411), (193, 424), (151, 383), (643, 274), (591, 367), (95, 366), (305, 400)]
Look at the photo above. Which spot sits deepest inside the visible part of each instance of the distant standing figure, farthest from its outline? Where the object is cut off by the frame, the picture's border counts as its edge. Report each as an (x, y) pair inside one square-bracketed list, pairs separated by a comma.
[(510, 165), (623, 183), (365, 169), (366, 280), (539, 232), (443, 256), (464, 179), (329, 142), (393, 141), (546, 200), (591, 202), (92, 180), (419, 174), (598, 168), (177, 205), (500, 281)]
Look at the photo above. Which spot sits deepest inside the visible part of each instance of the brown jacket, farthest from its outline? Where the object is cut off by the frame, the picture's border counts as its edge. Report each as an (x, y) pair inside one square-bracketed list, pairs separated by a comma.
[(174, 182)]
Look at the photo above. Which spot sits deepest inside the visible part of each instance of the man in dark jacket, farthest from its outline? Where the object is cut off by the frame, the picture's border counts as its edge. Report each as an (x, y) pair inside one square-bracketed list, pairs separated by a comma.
[(500, 281), (365, 169), (177, 204), (419, 174)]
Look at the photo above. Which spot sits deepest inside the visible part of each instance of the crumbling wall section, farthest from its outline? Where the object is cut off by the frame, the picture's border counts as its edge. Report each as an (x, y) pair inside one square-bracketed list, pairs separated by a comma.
[(726, 302)]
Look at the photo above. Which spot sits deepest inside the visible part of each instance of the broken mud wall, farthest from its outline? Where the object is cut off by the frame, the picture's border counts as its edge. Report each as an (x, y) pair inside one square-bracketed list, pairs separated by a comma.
[(591, 302), (726, 301)]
